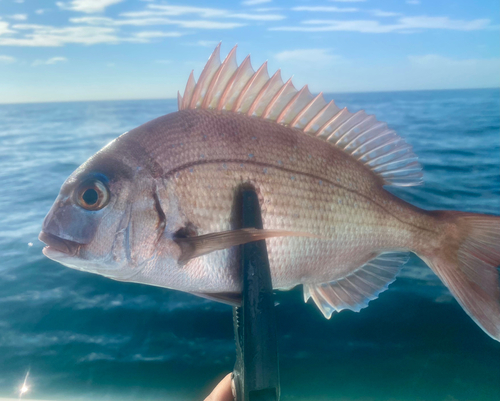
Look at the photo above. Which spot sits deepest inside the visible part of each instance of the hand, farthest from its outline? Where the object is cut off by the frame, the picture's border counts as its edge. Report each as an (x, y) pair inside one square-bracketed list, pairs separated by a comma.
[(223, 391)]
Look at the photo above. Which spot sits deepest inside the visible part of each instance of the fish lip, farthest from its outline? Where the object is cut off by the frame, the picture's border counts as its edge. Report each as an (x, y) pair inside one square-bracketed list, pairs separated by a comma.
[(54, 242)]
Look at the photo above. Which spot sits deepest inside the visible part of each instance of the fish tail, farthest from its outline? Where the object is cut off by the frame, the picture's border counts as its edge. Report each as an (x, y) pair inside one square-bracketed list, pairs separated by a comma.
[(466, 259)]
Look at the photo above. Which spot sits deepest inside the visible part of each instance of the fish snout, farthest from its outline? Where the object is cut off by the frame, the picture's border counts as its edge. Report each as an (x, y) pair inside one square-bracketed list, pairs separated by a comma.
[(56, 243)]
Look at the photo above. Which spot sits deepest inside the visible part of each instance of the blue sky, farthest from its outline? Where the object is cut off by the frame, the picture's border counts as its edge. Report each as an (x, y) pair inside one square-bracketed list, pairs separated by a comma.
[(142, 49)]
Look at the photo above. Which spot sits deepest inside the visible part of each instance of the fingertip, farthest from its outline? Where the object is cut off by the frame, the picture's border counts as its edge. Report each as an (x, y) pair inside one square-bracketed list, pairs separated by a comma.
[(223, 391)]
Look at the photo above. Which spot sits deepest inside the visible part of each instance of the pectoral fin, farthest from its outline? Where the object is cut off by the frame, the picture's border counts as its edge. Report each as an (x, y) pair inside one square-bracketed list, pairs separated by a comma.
[(193, 247)]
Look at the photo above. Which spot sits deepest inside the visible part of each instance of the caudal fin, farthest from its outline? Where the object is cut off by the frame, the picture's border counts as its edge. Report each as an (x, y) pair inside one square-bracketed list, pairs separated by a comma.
[(467, 262)]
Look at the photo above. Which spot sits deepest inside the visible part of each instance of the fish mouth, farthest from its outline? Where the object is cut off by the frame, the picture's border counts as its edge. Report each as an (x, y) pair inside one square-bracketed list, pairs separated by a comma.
[(55, 243)]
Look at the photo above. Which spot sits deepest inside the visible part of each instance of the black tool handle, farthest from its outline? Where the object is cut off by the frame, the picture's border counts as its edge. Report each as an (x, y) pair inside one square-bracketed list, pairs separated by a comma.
[(256, 373)]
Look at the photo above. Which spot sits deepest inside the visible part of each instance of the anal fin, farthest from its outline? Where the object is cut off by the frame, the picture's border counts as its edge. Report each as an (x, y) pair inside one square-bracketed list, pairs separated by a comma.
[(354, 291)]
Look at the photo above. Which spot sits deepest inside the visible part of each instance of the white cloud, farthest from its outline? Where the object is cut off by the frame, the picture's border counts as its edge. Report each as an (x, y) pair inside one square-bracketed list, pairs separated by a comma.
[(162, 10), (443, 23), (40, 11), (87, 6), (380, 13), (19, 17), (7, 59), (413, 2), (200, 24), (403, 25), (347, 1), (267, 9), (4, 28), (164, 61), (156, 34), (176, 11), (19, 1), (50, 61), (258, 17), (254, 2), (204, 24), (48, 36), (305, 56), (325, 9)]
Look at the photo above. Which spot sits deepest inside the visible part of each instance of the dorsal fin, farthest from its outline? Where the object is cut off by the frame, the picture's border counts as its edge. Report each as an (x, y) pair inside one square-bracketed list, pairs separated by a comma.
[(227, 86)]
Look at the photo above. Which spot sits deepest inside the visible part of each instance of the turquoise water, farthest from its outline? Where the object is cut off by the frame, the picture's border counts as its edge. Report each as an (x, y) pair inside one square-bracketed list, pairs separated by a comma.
[(85, 337)]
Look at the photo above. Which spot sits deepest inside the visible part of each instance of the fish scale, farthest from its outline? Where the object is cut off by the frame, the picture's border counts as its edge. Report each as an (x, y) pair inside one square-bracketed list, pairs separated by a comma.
[(296, 195), (155, 206)]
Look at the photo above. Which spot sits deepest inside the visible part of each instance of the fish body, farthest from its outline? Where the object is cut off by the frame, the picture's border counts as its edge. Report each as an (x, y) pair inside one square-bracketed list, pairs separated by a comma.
[(156, 206)]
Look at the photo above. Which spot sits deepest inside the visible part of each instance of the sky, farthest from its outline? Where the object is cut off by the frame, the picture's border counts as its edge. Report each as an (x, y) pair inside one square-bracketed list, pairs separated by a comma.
[(72, 50)]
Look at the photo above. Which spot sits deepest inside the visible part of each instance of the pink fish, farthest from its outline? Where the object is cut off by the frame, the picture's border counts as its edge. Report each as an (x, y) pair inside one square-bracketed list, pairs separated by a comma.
[(155, 205)]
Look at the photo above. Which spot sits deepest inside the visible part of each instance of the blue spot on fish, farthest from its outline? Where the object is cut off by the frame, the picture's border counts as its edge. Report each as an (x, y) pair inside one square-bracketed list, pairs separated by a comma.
[(104, 178), (280, 162), (242, 165), (292, 178), (265, 171), (250, 155), (254, 138), (224, 166), (320, 182), (191, 170)]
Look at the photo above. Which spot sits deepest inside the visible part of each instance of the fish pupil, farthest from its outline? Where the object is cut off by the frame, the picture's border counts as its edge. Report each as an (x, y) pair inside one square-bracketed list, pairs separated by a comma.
[(90, 196)]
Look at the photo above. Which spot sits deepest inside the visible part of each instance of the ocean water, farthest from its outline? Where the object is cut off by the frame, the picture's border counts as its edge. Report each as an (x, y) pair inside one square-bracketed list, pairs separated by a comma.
[(85, 337)]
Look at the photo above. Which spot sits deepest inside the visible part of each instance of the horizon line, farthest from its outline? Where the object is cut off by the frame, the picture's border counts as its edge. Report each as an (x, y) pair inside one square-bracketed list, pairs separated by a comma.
[(175, 98)]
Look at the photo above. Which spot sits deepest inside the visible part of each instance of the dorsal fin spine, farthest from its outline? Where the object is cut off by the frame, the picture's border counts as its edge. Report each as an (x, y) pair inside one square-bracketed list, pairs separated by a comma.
[(402, 147), (223, 97), (188, 92), (179, 100), (214, 57), (342, 125), (241, 89), (355, 137), (306, 109), (350, 129), (237, 74), (394, 140), (213, 82), (215, 79), (262, 70), (330, 121), (395, 171), (269, 107), (374, 127), (318, 116), (254, 105), (394, 161), (384, 133), (290, 104)]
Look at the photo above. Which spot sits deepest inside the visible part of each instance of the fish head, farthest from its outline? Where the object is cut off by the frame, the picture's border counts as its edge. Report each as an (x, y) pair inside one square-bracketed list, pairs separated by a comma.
[(105, 219)]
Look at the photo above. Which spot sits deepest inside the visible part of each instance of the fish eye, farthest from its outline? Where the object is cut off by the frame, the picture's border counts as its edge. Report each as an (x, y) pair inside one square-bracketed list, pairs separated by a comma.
[(92, 195)]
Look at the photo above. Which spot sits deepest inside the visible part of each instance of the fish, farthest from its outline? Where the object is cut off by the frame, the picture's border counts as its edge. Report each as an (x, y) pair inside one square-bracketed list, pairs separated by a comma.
[(156, 205)]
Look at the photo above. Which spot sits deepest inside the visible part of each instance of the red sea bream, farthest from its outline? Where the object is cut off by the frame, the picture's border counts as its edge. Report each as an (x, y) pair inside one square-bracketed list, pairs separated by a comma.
[(155, 206)]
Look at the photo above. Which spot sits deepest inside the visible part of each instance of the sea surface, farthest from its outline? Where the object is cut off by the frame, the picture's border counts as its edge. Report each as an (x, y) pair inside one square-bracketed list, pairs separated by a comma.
[(85, 337)]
